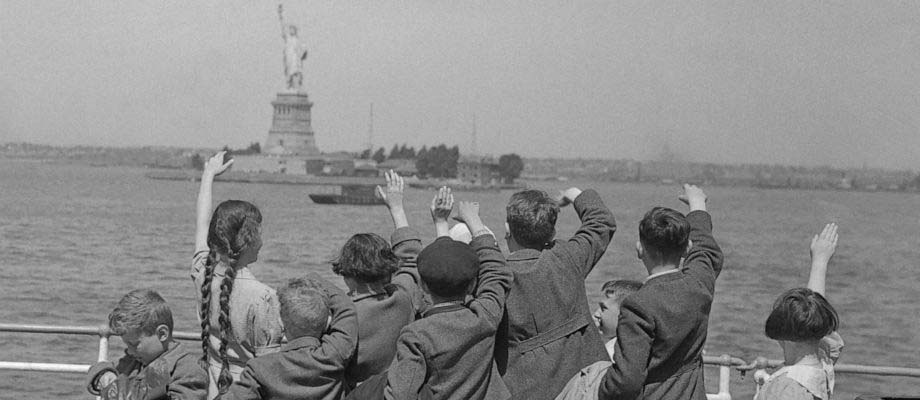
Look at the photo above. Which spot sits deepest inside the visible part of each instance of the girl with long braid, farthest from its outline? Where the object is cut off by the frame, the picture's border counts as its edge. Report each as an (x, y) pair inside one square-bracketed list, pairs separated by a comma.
[(239, 315)]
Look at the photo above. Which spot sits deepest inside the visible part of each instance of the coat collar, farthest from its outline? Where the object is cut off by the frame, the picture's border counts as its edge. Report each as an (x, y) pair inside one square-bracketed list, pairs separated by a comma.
[(524, 254)]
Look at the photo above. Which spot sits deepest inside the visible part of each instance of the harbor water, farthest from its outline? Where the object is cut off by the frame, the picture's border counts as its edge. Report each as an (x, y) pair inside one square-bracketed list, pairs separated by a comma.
[(75, 238)]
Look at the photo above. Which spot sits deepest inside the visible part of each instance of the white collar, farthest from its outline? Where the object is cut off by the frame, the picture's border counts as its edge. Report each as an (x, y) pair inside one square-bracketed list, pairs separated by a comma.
[(657, 274)]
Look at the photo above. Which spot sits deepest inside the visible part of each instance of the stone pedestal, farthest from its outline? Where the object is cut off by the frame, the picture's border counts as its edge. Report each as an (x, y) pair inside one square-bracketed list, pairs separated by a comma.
[(291, 132)]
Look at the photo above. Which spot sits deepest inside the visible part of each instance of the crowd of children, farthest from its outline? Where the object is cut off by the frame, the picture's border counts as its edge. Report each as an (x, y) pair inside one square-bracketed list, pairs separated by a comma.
[(458, 319)]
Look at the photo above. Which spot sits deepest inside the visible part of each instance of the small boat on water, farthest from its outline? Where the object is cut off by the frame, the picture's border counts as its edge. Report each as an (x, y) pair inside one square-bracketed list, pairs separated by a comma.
[(349, 194)]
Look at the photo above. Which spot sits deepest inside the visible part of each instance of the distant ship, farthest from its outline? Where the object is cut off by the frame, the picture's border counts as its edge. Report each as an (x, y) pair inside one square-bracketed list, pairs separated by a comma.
[(349, 194)]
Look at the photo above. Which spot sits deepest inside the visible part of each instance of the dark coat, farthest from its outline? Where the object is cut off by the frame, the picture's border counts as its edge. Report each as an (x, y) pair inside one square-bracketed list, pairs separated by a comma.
[(450, 348), (662, 327), (385, 310), (548, 335), (175, 374)]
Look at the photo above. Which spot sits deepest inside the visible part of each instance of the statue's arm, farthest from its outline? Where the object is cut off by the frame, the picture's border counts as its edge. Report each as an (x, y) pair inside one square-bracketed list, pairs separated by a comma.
[(281, 20)]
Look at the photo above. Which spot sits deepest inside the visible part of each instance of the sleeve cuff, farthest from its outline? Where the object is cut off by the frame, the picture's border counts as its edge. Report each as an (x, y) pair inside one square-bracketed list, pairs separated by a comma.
[(404, 234)]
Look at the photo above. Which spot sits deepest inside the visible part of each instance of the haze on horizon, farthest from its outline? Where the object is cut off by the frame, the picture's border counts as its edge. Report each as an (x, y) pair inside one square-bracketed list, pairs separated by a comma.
[(805, 83)]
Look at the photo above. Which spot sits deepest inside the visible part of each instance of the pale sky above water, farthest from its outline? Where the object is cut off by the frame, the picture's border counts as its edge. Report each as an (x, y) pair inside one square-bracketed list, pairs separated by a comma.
[(799, 82)]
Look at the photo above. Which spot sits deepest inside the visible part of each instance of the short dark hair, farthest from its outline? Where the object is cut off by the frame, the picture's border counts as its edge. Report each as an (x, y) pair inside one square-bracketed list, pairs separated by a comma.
[(665, 231), (532, 218), (619, 289), (304, 308), (141, 309), (366, 257), (801, 315)]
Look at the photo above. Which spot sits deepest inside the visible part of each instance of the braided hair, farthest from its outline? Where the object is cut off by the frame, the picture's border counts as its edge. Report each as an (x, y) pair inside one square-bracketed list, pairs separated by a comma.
[(235, 226)]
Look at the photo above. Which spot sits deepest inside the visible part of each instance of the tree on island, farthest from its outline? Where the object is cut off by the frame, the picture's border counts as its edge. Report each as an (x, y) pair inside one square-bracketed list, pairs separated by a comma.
[(365, 155), (510, 167), (379, 156), (438, 162)]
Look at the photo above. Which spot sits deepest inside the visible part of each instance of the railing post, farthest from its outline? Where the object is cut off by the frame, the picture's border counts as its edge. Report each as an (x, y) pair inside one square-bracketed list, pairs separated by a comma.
[(104, 334)]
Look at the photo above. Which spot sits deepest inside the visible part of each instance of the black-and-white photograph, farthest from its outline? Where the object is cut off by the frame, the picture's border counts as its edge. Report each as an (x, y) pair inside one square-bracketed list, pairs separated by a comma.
[(467, 200)]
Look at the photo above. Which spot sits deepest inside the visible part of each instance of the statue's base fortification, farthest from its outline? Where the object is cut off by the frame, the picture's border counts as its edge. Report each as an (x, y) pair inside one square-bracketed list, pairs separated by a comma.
[(291, 132)]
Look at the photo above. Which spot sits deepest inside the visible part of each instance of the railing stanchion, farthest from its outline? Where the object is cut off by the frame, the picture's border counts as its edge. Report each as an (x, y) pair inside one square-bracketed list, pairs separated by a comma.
[(104, 334)]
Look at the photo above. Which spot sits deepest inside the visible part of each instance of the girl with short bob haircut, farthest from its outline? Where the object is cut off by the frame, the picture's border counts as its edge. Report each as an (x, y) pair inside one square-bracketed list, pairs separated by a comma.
[(239, 315), (805, 325), (383, 283)]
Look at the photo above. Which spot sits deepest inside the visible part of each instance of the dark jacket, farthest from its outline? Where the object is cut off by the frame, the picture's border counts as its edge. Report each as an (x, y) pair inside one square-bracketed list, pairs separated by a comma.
[(384, 311), (548, 335), (306, 367), (175, 374), (662, 327), (450, 348)]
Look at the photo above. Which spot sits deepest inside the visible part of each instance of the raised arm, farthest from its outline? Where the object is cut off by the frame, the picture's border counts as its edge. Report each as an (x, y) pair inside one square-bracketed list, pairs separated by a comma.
[(393, 198), (597, 227), (494, 276), (823, 246), (340, 341), (281, 20), (215, 166), (407, 374), (704, 260), (441, 206)]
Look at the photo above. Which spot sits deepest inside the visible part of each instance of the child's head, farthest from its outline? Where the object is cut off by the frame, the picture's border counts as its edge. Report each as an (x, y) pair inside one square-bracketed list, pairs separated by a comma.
[(366, 258), (304, 308), (235, 232), (532, 218), (664, 237), (448, 269), (144, 321), (801, 315), (609, 308)]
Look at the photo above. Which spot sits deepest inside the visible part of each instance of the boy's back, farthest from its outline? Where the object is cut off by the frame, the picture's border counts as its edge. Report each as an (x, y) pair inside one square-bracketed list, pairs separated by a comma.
[(662, 327), (450, 348), (548, 335)]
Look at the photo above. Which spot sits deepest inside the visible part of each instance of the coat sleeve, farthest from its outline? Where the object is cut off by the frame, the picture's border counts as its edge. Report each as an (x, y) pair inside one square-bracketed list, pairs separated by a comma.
[(188, 381), (406, 377), (590, 242), (407, 244), (245, 388), (626, 377), (494, 280), (339, 343), (704, 260), (95, 372)]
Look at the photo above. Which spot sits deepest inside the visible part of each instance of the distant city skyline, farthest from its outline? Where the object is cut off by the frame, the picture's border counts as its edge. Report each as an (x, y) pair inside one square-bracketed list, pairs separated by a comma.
[(774, 83)]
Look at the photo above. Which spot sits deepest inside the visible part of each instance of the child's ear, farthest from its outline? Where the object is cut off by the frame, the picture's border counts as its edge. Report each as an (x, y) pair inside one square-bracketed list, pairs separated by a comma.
[(328, 323), (162, 332), (689, 246), (640, 251)]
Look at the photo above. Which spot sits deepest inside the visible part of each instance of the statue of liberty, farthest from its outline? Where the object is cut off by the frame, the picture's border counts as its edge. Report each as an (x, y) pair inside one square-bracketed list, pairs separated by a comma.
[(294, 54)]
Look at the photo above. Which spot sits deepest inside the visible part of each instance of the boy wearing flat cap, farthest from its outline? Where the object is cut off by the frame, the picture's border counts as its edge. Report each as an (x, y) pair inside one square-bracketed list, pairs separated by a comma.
[(450, 349)]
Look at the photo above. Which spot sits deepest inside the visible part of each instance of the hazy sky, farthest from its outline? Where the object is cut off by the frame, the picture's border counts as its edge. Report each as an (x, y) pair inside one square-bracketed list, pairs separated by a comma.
[(802, 82)]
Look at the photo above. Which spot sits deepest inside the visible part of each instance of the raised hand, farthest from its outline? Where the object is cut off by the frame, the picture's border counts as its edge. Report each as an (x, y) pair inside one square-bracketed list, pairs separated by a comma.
[(393, 194), (694, 197), (824, 244), (216, 165), (568, 196), (441, 205), (468, 211)]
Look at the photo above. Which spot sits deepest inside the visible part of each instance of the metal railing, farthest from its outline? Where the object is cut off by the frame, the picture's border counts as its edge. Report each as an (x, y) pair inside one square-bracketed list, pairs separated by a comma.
[(725, 362)]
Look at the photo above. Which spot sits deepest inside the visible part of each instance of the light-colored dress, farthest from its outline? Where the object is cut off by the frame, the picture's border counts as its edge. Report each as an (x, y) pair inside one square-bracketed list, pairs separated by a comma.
[(255, 321), (809, 379)]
